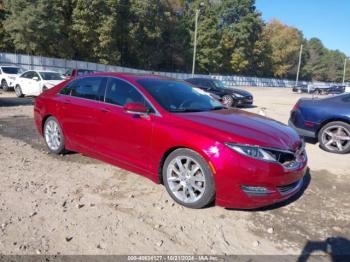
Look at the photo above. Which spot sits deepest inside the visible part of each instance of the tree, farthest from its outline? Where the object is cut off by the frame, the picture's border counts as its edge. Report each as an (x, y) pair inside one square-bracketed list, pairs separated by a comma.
[(285, 43), (38, 27)]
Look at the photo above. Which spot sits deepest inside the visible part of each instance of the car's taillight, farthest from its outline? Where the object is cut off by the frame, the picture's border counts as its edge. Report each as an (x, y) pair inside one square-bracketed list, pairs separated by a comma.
[(296, 106)]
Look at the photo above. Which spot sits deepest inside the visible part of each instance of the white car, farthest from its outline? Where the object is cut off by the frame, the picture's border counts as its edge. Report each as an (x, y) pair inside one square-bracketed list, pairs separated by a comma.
[(8, 76), (33, 83)]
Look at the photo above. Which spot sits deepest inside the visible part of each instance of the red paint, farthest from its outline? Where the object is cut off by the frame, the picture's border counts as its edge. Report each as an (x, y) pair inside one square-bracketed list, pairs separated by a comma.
[(111, 134)]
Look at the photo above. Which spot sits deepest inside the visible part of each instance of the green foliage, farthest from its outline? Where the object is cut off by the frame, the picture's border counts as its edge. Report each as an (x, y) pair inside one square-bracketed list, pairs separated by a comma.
[(158, 35)]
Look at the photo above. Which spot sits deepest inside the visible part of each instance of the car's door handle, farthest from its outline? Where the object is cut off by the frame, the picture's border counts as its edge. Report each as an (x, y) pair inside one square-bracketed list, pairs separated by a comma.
[(105, 110)]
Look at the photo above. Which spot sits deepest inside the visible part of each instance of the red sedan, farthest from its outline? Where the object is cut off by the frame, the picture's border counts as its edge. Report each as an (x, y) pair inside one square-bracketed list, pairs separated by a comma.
[(177, 135)]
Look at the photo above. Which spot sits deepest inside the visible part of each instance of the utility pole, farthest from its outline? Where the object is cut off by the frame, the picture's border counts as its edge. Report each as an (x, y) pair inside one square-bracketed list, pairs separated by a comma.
[(300, 54), (195, 42), (346, 59)]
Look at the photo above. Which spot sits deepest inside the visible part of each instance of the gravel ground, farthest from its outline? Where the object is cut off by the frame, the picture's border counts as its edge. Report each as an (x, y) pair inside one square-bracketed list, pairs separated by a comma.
[(73, 204)]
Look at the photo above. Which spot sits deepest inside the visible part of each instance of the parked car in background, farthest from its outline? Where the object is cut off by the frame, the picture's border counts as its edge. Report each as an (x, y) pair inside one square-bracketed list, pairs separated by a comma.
[(175, 134), (327, 120), (33, 83), (230, 97), (8, 75), (335, 89), (302, 88), (73, 73)]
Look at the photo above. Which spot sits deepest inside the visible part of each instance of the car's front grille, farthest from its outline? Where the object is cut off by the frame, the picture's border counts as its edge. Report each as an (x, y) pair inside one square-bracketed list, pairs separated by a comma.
[(285, 190)]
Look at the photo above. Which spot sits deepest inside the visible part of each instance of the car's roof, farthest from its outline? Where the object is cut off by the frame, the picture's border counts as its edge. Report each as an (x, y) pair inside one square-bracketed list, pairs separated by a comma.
[(9, 66), (131, 76)]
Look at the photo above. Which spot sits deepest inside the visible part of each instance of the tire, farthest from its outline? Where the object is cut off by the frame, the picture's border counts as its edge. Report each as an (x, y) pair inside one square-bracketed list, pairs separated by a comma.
[(227, 100), (53, 136), (334, 137), (195, 190), (18, 91), (4, 85)]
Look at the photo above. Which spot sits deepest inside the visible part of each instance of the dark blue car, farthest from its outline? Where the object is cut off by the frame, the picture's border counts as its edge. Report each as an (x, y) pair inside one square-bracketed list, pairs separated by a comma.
[(327, 120)]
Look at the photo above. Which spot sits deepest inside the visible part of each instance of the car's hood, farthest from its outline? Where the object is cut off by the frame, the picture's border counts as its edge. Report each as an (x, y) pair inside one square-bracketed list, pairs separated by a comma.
[(241, 92), (246, 128)]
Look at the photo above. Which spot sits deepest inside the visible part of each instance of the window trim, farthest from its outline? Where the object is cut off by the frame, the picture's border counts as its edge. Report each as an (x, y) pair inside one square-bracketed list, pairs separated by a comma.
[(156, 112)]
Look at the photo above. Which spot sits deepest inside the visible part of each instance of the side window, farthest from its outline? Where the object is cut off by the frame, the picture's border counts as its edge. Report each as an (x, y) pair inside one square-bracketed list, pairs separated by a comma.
[(35, 74), (89, 88), (28, 75), (121, 93), (204, 83)]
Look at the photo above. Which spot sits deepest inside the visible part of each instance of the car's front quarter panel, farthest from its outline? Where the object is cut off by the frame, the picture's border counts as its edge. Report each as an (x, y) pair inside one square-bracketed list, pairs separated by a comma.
[(230, 169)]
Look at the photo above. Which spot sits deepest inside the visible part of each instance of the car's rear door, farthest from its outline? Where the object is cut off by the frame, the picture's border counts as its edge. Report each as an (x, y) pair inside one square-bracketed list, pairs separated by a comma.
[(79, 103), (123, 136)]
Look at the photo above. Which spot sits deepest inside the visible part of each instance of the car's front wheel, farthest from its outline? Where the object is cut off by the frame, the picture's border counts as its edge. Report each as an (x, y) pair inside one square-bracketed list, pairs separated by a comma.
[(188, 178), (228, 101), (53, 136), (18, 91), (4, 85), (335, 137)]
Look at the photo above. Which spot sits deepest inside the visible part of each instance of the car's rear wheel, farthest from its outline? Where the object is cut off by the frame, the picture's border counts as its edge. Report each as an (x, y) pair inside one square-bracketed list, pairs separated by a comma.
[(188, 178), (18, 91), (53, 136), (227, 100), (335, 137), (4, 85)]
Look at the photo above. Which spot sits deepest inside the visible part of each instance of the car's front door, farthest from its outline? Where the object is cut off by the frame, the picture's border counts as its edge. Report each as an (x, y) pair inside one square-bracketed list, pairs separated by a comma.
[(26, 82), (79, 103), (124, 136)]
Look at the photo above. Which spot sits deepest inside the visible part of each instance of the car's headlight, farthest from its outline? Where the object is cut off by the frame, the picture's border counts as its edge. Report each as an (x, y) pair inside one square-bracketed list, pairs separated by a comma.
[(254, 152), (288, 159), (238, 95)]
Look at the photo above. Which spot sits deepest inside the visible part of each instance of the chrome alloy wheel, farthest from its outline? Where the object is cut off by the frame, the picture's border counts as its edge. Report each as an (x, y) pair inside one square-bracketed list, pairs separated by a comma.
[(186, 179), (227, 100), (336, 138), (53, 135)]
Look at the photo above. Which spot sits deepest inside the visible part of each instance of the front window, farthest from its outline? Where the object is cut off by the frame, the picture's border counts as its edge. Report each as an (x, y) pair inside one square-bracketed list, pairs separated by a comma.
[(218, 84), (11, 70), (177, 96), (50, 76)]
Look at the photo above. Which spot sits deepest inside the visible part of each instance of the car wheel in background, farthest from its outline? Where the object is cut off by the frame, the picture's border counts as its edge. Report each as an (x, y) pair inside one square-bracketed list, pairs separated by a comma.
[(188, 178), (4, 85), (18, 91), (227, 100), (335, 137), (53, 136)]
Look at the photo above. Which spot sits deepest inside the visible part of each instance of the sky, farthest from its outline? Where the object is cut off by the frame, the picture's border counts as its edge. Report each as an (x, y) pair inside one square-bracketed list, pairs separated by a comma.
[(328, 20)]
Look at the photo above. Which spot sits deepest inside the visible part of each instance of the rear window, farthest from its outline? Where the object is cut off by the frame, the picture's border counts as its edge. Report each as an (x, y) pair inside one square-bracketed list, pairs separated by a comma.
[(11, 70)]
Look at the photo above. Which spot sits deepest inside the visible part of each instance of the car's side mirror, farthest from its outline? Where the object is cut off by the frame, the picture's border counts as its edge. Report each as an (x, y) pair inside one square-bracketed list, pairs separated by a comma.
[(136, 108), (35, 78)]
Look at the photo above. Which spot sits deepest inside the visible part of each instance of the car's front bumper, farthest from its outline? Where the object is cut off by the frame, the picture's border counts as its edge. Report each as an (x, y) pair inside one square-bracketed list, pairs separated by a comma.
[(239, 174), (245, 101)]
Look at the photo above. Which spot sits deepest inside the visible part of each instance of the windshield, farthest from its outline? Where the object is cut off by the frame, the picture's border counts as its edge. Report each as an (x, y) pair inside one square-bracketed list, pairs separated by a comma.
[(11, 70), (177, 96), (218, 83), (50, 76)]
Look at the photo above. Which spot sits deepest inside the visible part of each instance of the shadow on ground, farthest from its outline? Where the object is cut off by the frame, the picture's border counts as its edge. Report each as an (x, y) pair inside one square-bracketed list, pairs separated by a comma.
[(16, 101), (336, 248)]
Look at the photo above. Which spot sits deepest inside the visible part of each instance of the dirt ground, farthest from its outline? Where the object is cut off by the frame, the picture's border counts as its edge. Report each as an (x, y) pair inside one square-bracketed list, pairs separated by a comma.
[(73, 204)]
